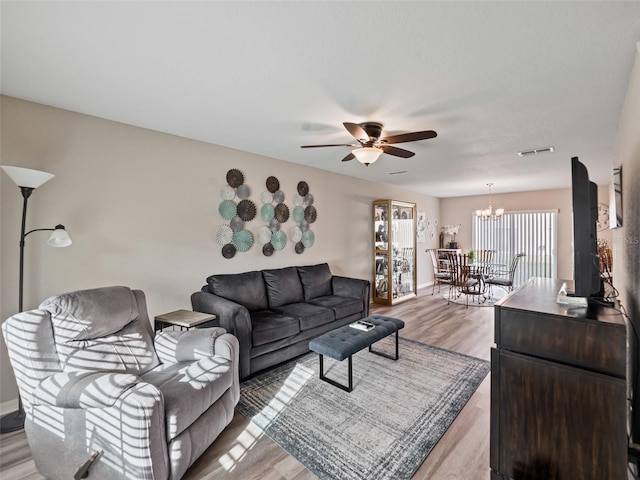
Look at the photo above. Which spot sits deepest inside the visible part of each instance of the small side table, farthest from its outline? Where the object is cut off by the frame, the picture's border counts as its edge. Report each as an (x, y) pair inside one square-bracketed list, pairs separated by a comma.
[(185, 319)]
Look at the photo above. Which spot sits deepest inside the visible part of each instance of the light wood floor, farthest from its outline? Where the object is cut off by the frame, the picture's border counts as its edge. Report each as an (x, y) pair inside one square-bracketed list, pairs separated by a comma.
[(243, 453)]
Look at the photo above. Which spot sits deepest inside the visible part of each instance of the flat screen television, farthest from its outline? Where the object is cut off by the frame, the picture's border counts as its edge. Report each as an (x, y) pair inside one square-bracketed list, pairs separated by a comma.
[(586, 267)]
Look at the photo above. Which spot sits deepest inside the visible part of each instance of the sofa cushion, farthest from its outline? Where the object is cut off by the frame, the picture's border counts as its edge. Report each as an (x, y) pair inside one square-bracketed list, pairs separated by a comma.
[(94, 313), (283, 286), (341, 306), (247, 289), (309, 316), (316, 280), (208, 378), (101, 329), (268, 326), (129, 350)]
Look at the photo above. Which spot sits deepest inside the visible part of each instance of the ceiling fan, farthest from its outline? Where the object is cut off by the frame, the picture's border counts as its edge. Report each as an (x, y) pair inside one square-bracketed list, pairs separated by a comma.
[(371, 146)]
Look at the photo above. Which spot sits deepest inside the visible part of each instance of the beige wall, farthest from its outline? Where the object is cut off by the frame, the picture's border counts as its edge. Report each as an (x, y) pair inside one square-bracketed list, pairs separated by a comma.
[(626, 240), (459, 211), (141, 208)]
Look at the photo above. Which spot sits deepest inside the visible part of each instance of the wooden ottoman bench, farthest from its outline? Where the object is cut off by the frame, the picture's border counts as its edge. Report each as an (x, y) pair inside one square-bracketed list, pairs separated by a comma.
[(343, 342)]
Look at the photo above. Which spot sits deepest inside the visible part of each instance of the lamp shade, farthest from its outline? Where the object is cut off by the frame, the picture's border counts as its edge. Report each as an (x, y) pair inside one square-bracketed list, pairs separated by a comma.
[(59, 238), (367, 155), (26, 177)]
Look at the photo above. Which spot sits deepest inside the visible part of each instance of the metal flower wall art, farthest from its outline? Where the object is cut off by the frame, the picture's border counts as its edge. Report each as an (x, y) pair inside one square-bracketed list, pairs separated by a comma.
[(238, 210), (274, 212), (304, 214)]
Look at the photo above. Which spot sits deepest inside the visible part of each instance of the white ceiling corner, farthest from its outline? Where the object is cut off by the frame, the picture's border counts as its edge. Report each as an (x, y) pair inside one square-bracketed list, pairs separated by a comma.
[(492, 78)]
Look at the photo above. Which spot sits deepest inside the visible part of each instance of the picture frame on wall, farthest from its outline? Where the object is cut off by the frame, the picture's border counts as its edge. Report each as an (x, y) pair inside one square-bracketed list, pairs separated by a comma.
[(421, 228), (615, 199)]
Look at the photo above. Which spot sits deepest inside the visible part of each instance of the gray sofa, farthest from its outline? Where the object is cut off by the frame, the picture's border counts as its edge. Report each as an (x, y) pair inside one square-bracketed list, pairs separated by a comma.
[(274, 313)]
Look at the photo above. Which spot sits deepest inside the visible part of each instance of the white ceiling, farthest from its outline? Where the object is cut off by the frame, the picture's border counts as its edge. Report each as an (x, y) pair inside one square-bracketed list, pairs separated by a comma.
[(492, 78)]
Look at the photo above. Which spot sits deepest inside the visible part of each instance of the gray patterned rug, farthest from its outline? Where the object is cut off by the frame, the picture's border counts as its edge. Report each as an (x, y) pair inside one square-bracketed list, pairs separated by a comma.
[(475, 300), (383, 429)]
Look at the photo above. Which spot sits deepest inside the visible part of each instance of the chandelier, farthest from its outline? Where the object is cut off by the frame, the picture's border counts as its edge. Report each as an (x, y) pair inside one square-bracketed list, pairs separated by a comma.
[(488, 213)]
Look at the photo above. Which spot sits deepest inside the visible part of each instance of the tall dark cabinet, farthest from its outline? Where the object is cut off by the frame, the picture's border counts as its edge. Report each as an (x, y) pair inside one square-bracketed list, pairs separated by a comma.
[(558, 389)]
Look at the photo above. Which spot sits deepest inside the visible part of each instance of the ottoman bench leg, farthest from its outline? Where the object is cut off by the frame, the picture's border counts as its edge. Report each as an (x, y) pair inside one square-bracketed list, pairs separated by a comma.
[(346, 388), (386, 355)]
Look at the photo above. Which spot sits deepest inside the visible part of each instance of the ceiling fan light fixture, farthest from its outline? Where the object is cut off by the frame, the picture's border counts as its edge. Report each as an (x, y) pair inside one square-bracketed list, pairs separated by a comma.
[(371, 144), (367, 155)]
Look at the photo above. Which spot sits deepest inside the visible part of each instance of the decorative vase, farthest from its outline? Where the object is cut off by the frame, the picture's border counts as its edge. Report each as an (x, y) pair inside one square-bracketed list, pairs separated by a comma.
[(441, 240)]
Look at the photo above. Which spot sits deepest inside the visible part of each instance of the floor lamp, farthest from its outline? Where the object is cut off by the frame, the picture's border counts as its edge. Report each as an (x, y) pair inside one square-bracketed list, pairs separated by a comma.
[(28, 180)]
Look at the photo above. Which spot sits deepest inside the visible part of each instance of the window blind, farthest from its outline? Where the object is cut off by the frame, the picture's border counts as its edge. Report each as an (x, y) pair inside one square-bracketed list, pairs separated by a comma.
[(533, 233)]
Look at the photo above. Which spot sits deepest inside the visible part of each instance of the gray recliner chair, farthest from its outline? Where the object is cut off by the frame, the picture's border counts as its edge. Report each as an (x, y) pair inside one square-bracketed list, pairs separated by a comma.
[(93, 378)]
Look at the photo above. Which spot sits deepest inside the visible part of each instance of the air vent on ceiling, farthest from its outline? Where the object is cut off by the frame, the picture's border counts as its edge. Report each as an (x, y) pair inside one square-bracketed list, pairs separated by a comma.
[(536, 151), (401, 172)]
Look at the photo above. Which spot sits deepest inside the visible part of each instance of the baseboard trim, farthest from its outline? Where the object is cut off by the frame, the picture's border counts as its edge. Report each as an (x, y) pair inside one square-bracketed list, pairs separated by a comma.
[(8, 406), (420, 287)]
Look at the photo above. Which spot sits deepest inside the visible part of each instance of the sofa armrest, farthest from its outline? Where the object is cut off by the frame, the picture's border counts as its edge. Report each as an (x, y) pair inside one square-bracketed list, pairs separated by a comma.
[(228, 348), (231, 316), (352, 287), (83, 389), (187, 345)]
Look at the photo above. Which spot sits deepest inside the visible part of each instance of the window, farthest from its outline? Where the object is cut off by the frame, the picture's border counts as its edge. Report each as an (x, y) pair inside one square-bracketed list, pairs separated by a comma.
[(534, 233)]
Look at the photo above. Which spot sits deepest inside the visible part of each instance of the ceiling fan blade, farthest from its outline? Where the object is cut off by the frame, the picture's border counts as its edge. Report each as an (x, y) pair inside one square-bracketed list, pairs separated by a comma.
[(409, 137), (397, 152), (331, 145), (357, 131), (351, 156)]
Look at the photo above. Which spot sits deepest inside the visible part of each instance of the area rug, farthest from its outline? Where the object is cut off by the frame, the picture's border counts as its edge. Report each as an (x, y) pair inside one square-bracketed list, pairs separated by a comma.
[(473, 300), (383, 429)]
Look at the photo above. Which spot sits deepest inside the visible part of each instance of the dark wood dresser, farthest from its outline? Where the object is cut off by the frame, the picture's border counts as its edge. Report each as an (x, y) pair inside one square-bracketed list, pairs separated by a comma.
[(558, 389)]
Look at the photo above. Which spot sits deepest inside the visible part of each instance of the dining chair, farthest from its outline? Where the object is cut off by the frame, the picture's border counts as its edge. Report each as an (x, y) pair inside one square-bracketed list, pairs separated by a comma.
[(463, 279), (440, 276), (484, 258), (504, 278)]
